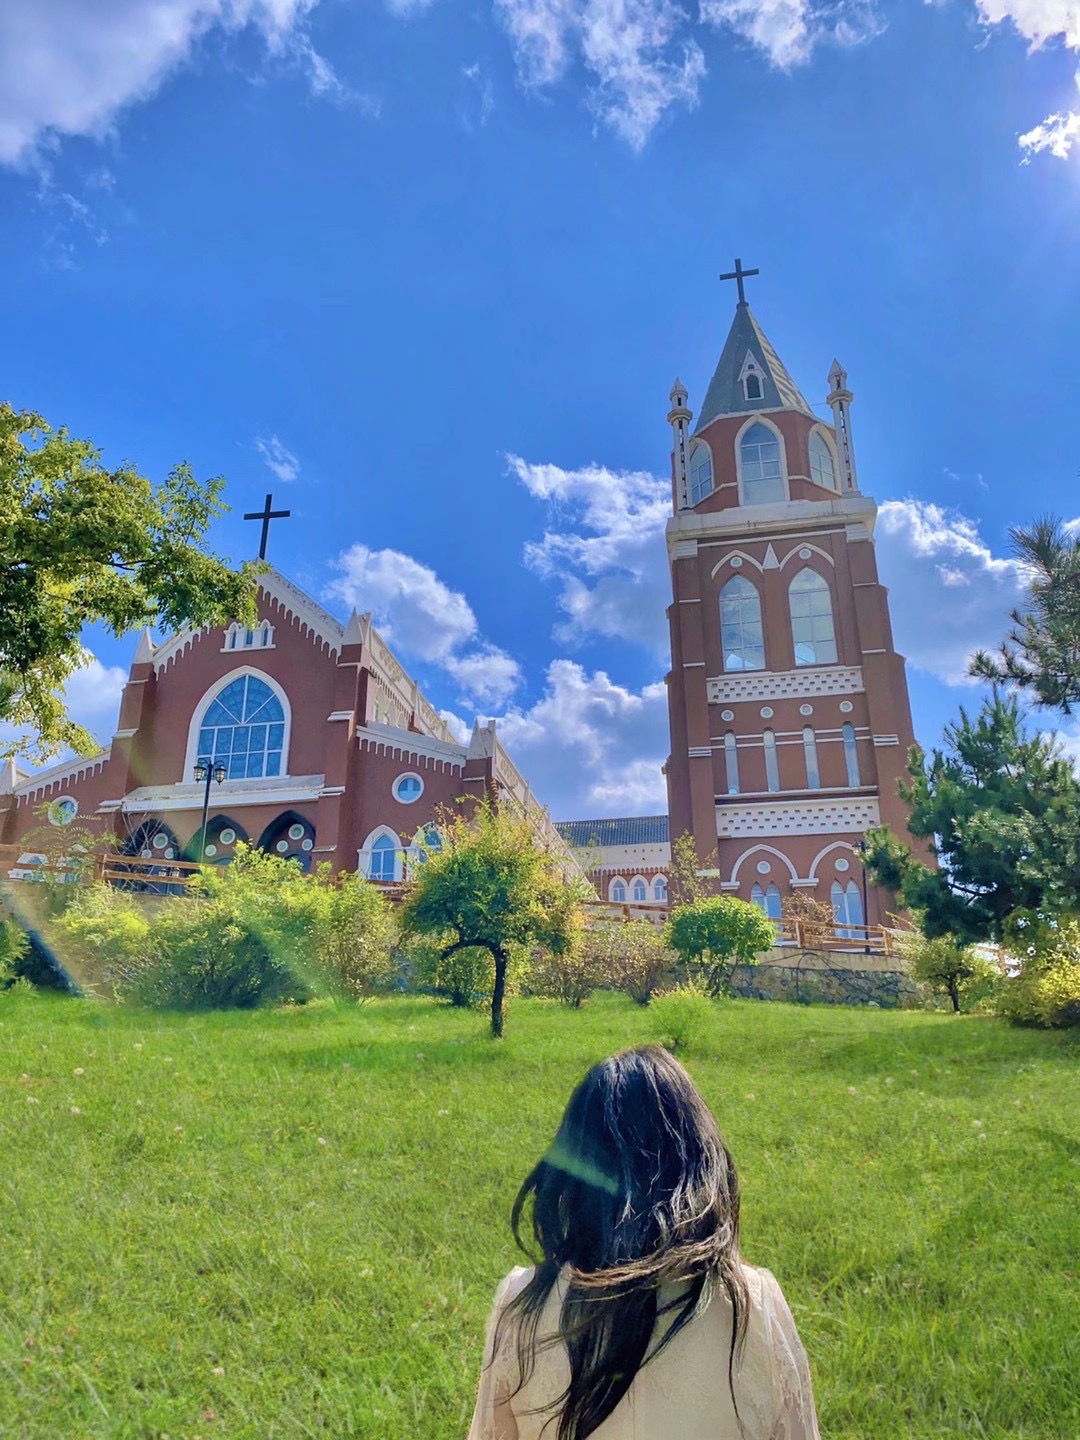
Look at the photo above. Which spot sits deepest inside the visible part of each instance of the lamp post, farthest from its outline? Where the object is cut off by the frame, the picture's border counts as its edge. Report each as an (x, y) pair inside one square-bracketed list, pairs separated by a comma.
[(207, 770), (864, 850)]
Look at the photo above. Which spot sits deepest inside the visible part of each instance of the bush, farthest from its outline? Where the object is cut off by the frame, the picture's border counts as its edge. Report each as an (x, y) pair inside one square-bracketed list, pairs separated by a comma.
[(572, 976), (682, 1016), (950, 968), (637, 957), (354, 937), (464, 978), (716, 934), (1046, 989), (13, 948), (102, 937), (816, 919)]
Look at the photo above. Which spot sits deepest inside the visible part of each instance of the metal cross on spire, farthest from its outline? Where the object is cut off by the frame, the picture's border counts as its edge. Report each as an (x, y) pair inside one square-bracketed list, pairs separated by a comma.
[(739, 275), (266, 515)]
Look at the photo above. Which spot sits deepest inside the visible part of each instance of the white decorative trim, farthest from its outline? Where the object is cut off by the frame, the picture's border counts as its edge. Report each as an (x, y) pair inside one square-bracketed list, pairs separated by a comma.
[(784, 520), (742, 554), (693, 664), (805, 545), (762, 850), (340, 715), (235, 637), (886, 739), (363, 859), (842, 845), (684, 550), (125, 734), (39, 784), (277, 790), (858, 532), (332, 790), (785, 684), (408, 744), (699, 752), (191, 754), (798, 817)]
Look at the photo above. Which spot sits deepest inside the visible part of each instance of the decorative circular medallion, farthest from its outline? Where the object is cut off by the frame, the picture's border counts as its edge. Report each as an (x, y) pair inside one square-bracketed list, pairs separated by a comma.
[(763, 867), (804, 553), (61, 812), (281, 847), (146, 854), (227, 836), (296, 832), (806, 709), (160, 840), (736, 562), (727, 714), (170, 854), (843, 864), (308, 844), (846, 707), (210, 850), (766, 712)]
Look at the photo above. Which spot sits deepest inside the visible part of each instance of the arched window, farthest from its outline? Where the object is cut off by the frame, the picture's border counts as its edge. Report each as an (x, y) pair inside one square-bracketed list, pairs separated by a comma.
[(618, 892), (742, 638), (851, 755), (426, 842), (822, 465), (809, 740), (701, 476), (753, 387), (772, 768), (768, 899), (812, 630), (848, 909), (731, 763), (291, 837), (384, 858), (640, 891), (760, 467), (244, 730), (659, 890)]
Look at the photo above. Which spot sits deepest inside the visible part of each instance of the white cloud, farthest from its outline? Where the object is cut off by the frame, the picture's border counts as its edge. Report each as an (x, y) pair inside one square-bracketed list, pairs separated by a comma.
[(789, 30), (1040, 22), (609, 559), (282, 462), (69, 67), (475, 112), (423, 618), (949, 594), (631, 48), (590, 747)]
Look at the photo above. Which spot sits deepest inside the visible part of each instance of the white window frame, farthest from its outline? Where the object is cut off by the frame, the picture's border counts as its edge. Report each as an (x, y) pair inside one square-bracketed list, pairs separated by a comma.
[(809, 569), (617, 880), (191, 754), (772, 762), (639, 899), (658, 881), (851, 754), (407, 775), (743, 431), (823, 435), (731, 762), (364, 857), (733, 582), (810, 752), (695, 449)]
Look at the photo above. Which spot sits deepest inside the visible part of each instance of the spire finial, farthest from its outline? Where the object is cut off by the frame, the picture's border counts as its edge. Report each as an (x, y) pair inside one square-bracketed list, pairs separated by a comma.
[(739, 275)]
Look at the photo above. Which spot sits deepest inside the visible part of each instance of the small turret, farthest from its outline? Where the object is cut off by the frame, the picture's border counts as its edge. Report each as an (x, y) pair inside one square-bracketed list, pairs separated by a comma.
[(839, 400), (679, 418)]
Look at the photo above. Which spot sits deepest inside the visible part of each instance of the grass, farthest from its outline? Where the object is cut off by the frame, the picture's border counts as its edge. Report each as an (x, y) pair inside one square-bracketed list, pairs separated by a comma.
[(290, 1224)]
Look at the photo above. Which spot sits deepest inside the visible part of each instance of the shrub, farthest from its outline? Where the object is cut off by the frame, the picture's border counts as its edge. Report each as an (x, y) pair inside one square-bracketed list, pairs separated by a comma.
[(634, 957), (815, 919), (1046, 988), (716, 934), (572, 976), (464, 978), (13, 948), (102, 937), (354, 936), (950, 968), (682, 1016)]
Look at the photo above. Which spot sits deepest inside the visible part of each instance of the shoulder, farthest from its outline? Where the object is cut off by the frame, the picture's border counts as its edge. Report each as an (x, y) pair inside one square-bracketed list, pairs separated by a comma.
[(510, 1286)]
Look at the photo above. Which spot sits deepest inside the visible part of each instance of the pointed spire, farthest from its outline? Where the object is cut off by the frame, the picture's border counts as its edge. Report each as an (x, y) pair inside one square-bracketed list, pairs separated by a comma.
[(144, 652), (356, 629), (770, 562), (9, 776), (749, 375)]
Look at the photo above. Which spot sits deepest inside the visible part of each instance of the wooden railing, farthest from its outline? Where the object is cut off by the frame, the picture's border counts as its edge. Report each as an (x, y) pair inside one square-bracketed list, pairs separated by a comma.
[(109, 865)]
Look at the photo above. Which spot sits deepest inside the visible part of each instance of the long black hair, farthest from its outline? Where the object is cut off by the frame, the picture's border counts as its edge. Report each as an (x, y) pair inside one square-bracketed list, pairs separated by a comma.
[(637, 1191)]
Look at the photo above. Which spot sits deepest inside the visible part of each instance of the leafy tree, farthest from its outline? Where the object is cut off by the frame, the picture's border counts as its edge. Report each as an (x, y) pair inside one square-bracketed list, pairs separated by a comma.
[(82, 544), (718, 933), (1041, 653), (491, 886), (13, 948), (1000, 809), (948, 967)]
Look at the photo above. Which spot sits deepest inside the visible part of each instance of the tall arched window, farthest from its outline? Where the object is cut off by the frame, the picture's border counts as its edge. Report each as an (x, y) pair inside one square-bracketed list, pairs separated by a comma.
[(812, 631), (753, 386), (659, 890), (822, 465), (851, 755), (809, 740), (618, 892), (731, 763), (701, 476), (760, 466), (244, 730), (848, 909), (767, 899), (383, 858), (772, 767), (742, 639), (640, 891)]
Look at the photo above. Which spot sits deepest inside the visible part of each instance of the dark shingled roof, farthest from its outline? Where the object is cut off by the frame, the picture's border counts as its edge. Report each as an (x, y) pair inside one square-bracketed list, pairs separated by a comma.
[(725, 393), (638, 830)]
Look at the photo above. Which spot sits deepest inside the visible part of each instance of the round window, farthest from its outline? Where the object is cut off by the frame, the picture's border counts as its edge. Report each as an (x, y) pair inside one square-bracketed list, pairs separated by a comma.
[(806, 709), (727, 714), (63, 811), (160, 840), (408, 788), (766, 712), (282, 847), (763, 867), (296, 832), (210, 850), (842, 865), (846, 707), (307, 844), (227, 836)]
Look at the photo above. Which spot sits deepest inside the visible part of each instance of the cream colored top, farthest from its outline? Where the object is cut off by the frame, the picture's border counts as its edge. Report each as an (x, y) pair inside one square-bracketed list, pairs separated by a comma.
[(682, 1394)]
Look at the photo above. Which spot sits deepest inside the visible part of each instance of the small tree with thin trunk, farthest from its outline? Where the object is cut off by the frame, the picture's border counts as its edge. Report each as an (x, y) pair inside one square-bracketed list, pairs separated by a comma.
[(717, 934), (947, 966), (493, 887)]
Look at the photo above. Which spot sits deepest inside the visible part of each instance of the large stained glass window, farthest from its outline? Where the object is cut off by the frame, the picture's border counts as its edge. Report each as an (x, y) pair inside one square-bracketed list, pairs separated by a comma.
[(244, 730)]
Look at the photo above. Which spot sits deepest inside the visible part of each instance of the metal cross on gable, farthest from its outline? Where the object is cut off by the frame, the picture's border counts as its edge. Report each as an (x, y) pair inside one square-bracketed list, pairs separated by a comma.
[(266, 515), (739, 275)]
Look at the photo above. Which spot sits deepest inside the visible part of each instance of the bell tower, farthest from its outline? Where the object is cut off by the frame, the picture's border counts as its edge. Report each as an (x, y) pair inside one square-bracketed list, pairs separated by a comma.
[(788, 704)]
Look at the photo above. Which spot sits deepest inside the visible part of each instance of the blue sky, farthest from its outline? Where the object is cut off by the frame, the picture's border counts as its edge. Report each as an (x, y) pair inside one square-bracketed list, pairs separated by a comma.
[(429, 270)]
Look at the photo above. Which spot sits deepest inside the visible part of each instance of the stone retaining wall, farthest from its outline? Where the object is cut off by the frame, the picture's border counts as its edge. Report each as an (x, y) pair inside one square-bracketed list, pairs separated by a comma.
[(824, 977)]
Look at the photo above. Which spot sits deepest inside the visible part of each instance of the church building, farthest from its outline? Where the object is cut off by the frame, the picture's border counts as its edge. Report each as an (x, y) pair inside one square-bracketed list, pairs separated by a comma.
[(789, 714), (320, 748)]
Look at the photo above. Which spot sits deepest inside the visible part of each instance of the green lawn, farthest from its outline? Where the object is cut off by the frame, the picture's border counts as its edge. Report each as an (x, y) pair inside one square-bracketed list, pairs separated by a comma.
[(290, 1224)]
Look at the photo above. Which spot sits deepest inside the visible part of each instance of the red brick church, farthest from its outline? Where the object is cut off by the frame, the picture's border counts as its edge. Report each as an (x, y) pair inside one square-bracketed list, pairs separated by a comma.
[(327, 750)]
